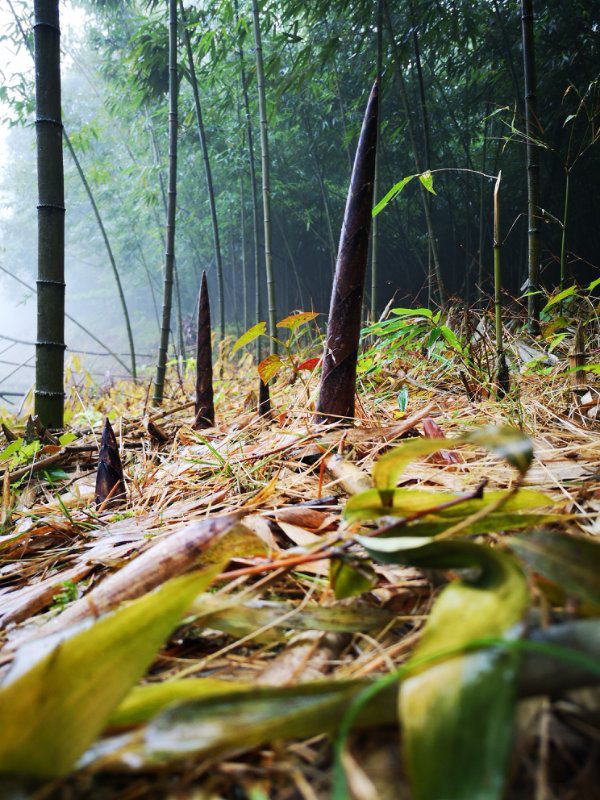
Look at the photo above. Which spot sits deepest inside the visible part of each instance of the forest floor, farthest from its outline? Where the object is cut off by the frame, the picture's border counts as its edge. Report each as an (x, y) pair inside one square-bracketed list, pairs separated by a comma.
[(271, 618)]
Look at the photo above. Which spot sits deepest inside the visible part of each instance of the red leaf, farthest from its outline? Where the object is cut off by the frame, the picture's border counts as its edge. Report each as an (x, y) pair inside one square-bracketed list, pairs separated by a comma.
[(310, 364)]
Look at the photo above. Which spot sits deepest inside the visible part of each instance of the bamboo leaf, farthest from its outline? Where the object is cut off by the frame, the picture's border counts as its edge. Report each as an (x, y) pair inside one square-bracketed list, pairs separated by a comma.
[(505, 442), (237, 719), (593, 285), (390, 466), (426, 179), (349, 578), (560, 296), (451, 338), (412, 312), (144, 702), (62, 689), (458, 714), (251, 334), (374, 503), (572, 562), (393, 192)]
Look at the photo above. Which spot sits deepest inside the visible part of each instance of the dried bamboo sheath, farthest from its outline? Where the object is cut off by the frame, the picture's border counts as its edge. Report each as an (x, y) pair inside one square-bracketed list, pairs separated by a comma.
[(204, 408), (336, 396)]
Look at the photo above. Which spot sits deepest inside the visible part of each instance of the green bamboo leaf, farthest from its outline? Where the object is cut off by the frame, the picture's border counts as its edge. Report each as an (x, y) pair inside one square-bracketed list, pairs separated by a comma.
[(390, 466), (238, 719), (412, 312), (560, 296), (61, 690), (496, 522), (473, 694), (458, 715), (572, 562), (393, 192), (144, 702), (426, 179), (374, 503), (505, 442), (251, 334), (240, 618), (451, 338), (349, 578), (593, 285)]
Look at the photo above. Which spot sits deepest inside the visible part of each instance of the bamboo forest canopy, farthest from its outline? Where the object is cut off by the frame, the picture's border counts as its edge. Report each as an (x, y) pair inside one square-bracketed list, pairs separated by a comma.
[(452, 101)]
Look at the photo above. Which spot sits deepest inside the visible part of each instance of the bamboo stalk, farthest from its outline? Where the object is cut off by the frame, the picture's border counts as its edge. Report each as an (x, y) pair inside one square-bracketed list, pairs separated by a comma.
[(96, 211), (375, 223), (161, 367), (50, 346), (208, 174), (502, 379), (532, 128), (266, 176)]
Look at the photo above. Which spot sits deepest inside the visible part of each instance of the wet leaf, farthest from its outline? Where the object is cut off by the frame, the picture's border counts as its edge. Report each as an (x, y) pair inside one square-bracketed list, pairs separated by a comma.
[(572, 562), (61, 689)]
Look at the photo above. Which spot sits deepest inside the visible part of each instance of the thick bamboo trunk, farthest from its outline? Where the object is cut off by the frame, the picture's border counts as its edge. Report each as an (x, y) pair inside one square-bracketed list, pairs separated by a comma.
[(50, 347), (161, 366), (338, 380), (96, 211), (532, 129), (208, 173), (266, 175)]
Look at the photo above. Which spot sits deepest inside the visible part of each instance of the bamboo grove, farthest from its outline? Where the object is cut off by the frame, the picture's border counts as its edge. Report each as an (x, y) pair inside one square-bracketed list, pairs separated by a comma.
[(224, 135)]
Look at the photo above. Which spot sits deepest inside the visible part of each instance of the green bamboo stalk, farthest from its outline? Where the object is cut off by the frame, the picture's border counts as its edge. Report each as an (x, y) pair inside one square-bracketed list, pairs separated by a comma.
[(161, 367), (208, 173), (563, 240), (50, 346), (532, 130), (96, 211), (502, 380), (252, 169), (375, 223), (415, 152), (266, 175)]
